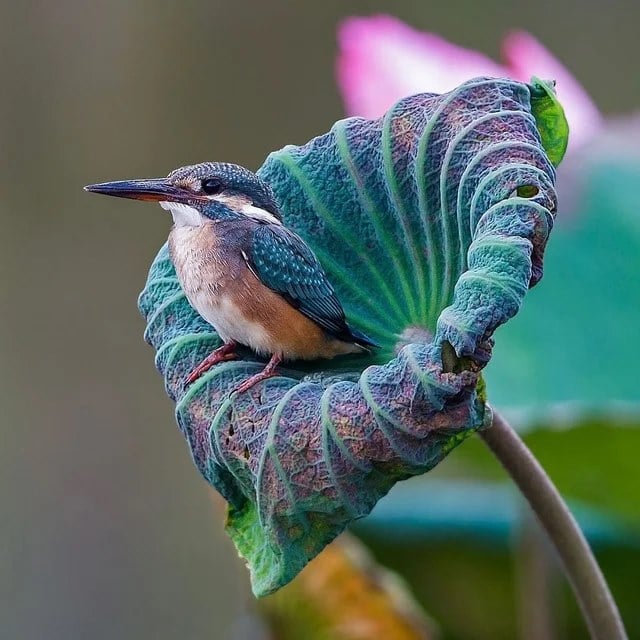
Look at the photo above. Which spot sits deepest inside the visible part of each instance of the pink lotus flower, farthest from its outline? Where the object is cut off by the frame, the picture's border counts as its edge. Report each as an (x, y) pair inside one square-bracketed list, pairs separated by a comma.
[(382, 60)]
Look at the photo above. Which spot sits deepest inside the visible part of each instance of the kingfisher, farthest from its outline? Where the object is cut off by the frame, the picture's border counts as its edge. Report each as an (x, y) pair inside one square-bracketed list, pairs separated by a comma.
[(255, 281)]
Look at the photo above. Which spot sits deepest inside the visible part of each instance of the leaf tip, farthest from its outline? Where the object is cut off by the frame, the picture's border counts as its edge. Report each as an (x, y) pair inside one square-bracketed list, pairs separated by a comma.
[(550, 118)]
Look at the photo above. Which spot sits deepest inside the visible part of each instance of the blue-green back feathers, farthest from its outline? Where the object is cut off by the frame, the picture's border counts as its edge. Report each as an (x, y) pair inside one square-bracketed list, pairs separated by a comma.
[(285, 264)]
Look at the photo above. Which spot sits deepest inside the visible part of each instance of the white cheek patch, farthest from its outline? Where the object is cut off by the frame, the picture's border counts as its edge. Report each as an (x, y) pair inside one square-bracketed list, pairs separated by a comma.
[(183, 214), (257, 213)]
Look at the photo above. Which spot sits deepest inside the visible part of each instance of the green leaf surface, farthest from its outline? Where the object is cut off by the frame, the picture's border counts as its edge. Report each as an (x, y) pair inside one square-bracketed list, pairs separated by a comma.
[(421, 221)]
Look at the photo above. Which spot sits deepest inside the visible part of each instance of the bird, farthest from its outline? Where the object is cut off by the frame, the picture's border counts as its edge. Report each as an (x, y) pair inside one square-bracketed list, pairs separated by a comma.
[(255, 281)]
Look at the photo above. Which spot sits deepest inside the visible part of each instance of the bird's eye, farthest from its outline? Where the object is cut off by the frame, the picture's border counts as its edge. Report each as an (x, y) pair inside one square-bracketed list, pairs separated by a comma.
[(211, 186)]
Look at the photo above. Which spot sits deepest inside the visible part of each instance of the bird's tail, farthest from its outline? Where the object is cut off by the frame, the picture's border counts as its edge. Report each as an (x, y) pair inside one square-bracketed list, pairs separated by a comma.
[(362, 340)]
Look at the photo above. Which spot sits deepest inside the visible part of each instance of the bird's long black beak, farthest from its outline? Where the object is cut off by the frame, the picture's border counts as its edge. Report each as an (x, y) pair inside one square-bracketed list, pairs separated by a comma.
[(153, 189)]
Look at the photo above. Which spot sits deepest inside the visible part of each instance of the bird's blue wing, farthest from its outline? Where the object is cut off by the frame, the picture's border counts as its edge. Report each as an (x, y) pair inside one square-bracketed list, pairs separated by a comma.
[(284, 263)]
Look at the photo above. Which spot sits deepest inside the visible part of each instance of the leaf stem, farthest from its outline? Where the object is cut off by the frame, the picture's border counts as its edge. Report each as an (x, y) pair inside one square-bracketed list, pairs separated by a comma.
[(581, 568)]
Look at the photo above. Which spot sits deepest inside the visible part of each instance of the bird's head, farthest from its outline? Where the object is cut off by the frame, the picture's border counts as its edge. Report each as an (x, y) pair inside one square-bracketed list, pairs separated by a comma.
[(201, 192)]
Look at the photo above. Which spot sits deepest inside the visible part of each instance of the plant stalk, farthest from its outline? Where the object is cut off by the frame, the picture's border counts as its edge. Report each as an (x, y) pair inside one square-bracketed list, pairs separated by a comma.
[(581, 568)]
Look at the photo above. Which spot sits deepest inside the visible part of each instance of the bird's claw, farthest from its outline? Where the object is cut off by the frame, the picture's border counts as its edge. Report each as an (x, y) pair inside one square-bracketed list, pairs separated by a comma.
[(268, 372), (253, 380), (222, 354)]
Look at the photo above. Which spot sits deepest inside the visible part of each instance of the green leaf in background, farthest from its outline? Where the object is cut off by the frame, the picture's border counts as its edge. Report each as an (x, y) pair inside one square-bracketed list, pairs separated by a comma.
[(482, 508), (431, 223), (593, 462), (453, 539), (469, 582)]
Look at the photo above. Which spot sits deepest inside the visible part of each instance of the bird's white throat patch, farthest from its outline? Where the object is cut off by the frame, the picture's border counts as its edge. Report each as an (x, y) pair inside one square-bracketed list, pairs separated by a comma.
[(183, 214)]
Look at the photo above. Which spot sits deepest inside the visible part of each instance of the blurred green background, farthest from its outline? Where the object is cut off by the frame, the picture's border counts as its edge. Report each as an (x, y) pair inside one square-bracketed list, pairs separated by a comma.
[(107, 529)]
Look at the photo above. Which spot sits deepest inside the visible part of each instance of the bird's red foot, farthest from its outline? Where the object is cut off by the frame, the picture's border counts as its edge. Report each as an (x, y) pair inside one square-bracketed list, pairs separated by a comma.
[(268, 372), (222, 354)]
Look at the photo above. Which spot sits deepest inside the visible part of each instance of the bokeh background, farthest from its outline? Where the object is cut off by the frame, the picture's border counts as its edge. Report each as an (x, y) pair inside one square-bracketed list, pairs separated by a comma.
[(107, 530)]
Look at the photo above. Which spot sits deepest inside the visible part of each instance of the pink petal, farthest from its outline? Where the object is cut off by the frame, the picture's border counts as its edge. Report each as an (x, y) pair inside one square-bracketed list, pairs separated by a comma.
[(381, 60), (526, 57)]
